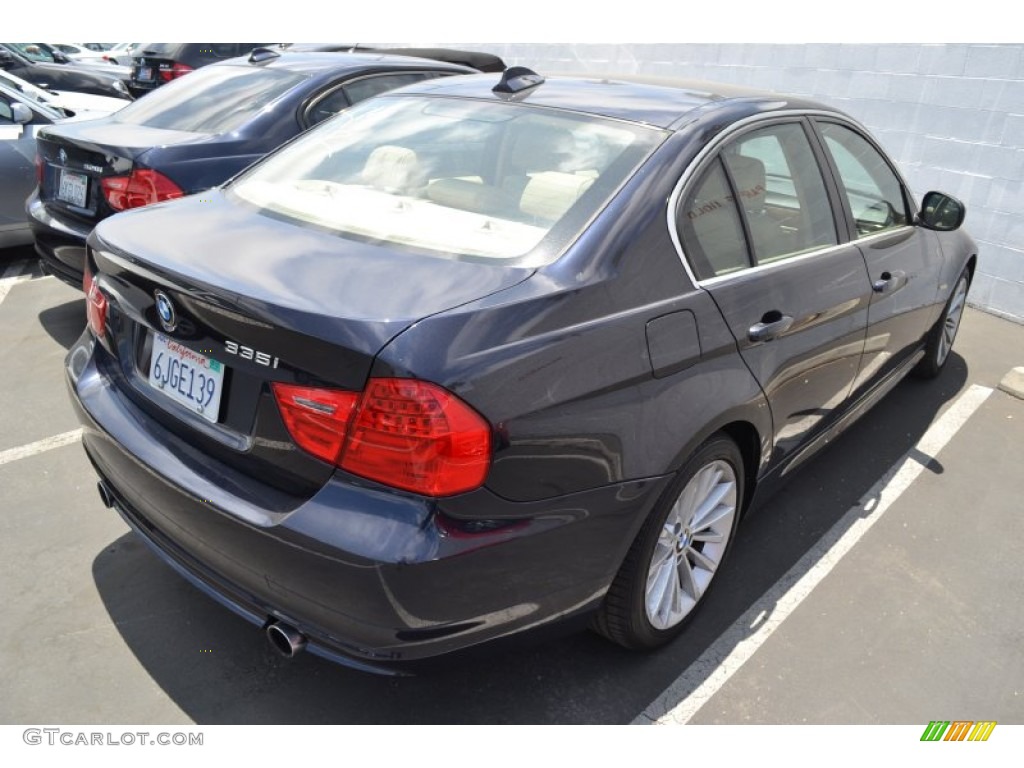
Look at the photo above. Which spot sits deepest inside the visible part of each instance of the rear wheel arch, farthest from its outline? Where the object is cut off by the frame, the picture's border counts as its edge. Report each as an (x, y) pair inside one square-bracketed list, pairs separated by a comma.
[(748, 440), (655, 559)]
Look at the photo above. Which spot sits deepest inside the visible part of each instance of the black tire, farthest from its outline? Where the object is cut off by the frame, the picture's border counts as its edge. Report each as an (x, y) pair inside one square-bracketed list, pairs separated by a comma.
[(936, 352), (624, 616)]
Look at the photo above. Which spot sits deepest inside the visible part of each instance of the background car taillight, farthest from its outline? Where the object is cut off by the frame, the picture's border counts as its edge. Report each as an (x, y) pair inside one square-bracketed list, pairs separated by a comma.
[(166, 75), (141, 187), (39, 170), (95, 305), (404, 433)]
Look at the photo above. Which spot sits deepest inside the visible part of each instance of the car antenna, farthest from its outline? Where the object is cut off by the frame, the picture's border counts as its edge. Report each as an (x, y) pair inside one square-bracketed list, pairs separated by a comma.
[(516, 79), (259, 55)]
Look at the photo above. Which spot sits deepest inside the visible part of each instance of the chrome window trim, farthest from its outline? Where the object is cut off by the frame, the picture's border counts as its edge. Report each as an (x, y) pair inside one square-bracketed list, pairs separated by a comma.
[(726, 135), (719, 279)]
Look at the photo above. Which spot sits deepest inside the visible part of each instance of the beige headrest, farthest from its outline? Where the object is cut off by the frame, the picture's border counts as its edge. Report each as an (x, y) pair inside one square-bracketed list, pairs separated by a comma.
[(549, 194), (392, 168)]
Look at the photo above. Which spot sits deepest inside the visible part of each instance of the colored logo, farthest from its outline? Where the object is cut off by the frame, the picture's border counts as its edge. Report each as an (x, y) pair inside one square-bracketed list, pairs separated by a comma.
[(958, 730), (165, 311)]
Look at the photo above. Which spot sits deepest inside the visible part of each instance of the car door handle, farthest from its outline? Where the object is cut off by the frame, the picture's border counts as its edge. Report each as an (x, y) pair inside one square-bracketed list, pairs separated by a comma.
[(772, 324), (889, 281)]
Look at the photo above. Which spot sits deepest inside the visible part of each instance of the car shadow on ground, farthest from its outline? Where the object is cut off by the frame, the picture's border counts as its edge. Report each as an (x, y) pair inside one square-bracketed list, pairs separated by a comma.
[(219, 669), (64, 322)]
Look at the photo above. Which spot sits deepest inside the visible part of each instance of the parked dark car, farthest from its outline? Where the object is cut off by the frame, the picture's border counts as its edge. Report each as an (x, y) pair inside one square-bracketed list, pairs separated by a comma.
[(192, 135), (478, 60), (154, 64), (482, 354), (62, 76)]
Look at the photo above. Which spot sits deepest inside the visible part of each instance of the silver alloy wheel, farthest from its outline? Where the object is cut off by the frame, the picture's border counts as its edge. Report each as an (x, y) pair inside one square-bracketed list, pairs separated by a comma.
[(691, 544), (951, 322)]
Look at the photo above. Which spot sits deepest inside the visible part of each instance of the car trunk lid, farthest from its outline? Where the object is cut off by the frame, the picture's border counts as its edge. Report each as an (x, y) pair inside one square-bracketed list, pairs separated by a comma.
[(270, 302), (78, 155)]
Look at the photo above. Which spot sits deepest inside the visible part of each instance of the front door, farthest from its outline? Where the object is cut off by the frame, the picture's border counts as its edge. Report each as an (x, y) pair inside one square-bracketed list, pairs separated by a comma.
[(902, 260)]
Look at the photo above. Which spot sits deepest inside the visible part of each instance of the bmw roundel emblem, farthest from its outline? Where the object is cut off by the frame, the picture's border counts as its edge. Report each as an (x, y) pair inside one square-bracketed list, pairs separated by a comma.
[(63, 157), (165, 311)]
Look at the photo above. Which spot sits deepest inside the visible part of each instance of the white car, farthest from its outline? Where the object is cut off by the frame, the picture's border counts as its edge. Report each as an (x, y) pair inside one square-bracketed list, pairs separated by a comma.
[(121, 53), (85, 105), (80, 53)]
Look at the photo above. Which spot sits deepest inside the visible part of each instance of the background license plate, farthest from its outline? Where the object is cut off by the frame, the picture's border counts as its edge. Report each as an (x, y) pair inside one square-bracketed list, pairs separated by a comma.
[(192, 379), (73, 188)]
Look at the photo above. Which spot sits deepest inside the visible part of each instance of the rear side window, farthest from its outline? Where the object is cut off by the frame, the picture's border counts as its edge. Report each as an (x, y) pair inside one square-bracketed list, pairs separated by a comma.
[(210, 100), (709, 222), (872, 189), (368, 87), (762, 200)]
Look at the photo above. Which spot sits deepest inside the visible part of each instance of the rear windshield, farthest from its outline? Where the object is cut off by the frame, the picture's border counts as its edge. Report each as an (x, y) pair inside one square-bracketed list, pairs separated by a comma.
[(479, 179), (214, 99)]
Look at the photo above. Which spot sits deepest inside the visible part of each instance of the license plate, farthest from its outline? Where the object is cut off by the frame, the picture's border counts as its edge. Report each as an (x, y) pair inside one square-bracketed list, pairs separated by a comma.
[(145, 73), (73, 187), (190, 378)]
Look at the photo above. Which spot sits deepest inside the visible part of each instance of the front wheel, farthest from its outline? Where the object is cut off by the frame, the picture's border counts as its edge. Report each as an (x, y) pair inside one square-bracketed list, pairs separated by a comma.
[(942, 335), (677, 553)]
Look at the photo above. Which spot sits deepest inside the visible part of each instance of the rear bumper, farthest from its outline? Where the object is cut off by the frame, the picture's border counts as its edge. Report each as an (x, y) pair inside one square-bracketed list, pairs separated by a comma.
[(60, 242), (372, 577)]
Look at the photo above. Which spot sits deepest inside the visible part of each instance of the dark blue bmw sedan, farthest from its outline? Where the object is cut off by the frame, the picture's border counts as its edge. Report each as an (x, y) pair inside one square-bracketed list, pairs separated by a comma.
[(482, 354), (192, 134)]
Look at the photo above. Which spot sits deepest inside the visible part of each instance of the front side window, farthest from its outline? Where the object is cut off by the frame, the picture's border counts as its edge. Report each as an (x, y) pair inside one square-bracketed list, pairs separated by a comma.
[(872, 189), (449, 176)]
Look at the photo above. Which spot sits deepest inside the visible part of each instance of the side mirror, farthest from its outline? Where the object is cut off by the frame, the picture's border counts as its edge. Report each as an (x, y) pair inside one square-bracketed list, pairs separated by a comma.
[(941, 212), (21, 114), (60, 57)]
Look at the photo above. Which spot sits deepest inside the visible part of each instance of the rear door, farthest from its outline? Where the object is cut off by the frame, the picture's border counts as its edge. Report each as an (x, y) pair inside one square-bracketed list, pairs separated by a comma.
[(758, 230), (903, 261)]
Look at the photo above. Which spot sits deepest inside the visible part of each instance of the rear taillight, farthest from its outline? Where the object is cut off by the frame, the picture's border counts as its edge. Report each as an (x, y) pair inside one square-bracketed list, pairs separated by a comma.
[(405, 433), (95, 305), (174, 72), (141, 187), (316, 418), (39, 170)]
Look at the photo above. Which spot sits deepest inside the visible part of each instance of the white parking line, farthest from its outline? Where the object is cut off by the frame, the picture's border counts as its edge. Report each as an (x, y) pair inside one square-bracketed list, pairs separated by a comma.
[(734, 647), (17, 272), (39, 446)]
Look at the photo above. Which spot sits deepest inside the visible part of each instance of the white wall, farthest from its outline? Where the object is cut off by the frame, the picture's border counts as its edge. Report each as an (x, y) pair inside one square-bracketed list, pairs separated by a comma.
[(951, 115)]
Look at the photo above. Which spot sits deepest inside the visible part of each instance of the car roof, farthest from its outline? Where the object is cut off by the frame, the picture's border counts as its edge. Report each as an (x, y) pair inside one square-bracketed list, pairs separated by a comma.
[(661, 102), (339, 63)]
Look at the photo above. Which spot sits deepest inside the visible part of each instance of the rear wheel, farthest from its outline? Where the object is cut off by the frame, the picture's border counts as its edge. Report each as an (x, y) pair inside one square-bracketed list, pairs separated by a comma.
[(677, 553), (941, 337)]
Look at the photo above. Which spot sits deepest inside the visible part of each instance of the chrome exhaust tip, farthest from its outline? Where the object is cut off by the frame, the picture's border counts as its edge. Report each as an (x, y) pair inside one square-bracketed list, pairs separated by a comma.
[(285, 639), (105, 495)]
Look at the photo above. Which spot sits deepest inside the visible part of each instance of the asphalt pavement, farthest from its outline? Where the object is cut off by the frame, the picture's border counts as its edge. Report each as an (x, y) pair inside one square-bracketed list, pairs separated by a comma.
[(921, 618)]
